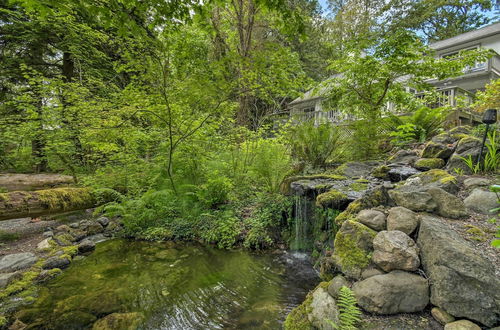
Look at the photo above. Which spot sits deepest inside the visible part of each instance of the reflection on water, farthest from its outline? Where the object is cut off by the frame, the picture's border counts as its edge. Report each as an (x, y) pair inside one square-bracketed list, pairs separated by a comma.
[(174, 287)]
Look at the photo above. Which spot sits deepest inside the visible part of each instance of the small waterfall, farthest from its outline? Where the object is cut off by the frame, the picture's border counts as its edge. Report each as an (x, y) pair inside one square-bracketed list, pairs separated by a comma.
[(301, 239)]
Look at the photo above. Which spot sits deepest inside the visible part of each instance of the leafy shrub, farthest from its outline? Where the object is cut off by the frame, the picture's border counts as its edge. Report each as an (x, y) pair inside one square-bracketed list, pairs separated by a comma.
[(491, 160), (220, 227), (264, 223), (215, 191), (314, 144)]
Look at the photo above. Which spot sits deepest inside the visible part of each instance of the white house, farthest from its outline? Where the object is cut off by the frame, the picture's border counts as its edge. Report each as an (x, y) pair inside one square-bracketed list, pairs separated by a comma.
[(311, 104)]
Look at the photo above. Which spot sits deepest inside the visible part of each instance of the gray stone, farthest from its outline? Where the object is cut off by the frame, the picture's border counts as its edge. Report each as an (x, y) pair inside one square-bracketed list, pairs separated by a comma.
[(402, 219), (395, 250), (17, 261), (56, 262), (392, 293), (371, 271), (401, 172), (372, 218), (323, 308), (481, 201), (463, 282), (335, 284), (7, 278), (86, 246), (413, 199), (94, 228), (63, 228), (404, 157), (78, 234), (437, 178), (84, 224), (48, 233), (467, 147), (448, 206), (47, 274), (438, 150), (357, 170), (462, 325), (73, 225), (471, 183), (441, 316), (45, 244), (103, 221)]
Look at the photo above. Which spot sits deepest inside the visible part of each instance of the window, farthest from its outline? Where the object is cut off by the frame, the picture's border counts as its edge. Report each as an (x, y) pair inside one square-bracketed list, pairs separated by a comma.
[(478, 66)]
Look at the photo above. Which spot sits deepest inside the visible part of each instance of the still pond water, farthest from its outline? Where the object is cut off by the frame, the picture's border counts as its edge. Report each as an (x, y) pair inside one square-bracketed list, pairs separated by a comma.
[(174, 287)]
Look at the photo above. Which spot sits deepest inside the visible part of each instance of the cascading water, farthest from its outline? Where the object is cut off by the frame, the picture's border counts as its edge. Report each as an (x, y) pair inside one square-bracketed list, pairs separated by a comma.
[(301, 240)]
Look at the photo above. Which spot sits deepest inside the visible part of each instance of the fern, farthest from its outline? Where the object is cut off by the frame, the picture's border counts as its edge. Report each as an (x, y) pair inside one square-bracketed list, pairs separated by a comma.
[(350, 314)]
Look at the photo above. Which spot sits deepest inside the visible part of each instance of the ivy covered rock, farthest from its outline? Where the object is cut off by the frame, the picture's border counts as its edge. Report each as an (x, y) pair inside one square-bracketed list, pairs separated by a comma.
[(353, 247), (463, 282), (425, 164), (392, 293)]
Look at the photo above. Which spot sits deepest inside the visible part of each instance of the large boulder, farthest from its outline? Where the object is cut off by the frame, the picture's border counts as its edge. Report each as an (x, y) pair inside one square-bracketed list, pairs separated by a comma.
[(404, 157), (481, 201), (413, 198), (437, 178), (392, 293), (425, 164), (474, 182), (440, 150), (395, 250), (353, 246), (462, 281), (17, 261), (399, 172), (372, 218), (402, 219), (448, 205), (467, 147), (323, 309), (356, 170)]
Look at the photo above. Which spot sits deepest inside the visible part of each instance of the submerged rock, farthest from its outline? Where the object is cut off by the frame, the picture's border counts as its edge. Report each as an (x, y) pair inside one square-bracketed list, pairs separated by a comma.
[(125, 321), (392, 293), (463, 282), (17, 261), (86, 246), (395, 250)]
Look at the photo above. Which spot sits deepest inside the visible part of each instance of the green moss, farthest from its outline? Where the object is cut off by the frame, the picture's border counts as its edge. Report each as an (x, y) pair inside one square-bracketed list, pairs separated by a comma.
[(333, 199), (65, 198), (374, 198), (429, 163), (8, 237), (70, 250), (297, 319), (381, 172), (348, 253), (356, 186), (459, 136), (362, 181), (23, 283), (436, 175), (3, 321), (285, 185), (476, 233), (64, 239)]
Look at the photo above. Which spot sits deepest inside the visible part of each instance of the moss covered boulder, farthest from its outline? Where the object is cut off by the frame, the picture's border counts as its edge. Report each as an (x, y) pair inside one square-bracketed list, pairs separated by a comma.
[(468, 147), (437, 150), (297, 319), (437, 178), (353, 247), (332, 199), (425, 164), (372, 198), (125, 321)]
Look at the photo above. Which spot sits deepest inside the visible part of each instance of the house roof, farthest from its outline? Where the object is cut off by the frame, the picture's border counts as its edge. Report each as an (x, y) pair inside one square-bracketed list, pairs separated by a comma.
[(467, 37)]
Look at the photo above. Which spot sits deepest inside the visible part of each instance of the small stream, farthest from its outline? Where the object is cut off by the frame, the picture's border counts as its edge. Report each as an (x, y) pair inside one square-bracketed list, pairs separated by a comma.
[(175, 286)]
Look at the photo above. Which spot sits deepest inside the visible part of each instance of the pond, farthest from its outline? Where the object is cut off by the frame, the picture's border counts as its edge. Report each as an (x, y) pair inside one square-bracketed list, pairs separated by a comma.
[(173, 286)]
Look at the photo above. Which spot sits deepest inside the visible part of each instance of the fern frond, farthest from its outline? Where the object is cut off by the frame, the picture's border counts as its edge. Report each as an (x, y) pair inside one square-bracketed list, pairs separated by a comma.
[(350, 314)]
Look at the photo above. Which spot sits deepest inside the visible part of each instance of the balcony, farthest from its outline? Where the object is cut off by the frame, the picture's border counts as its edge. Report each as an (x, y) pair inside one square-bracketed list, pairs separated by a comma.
[(319, 117)]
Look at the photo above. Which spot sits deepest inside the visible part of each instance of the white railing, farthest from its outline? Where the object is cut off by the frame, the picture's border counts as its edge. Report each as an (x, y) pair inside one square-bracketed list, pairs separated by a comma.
[(319, 117)]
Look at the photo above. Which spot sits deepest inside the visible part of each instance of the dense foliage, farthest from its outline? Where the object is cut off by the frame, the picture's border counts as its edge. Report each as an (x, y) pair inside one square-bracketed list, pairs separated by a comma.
[(176, 104)]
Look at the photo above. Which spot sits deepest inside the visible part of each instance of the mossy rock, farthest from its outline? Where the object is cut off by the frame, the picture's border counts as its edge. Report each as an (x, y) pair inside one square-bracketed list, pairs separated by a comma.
[(297, 319), (125, 321), (372, 198), (75, 320), (438, 178), (358, 186), (332, 199), (381, 172), (437, 150), (426, 164), (353, 248), (285, 186)]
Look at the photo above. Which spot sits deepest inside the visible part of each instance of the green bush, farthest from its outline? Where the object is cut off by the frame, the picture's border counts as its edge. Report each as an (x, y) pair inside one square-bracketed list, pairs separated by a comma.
[(215, 191), (314, 144)]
